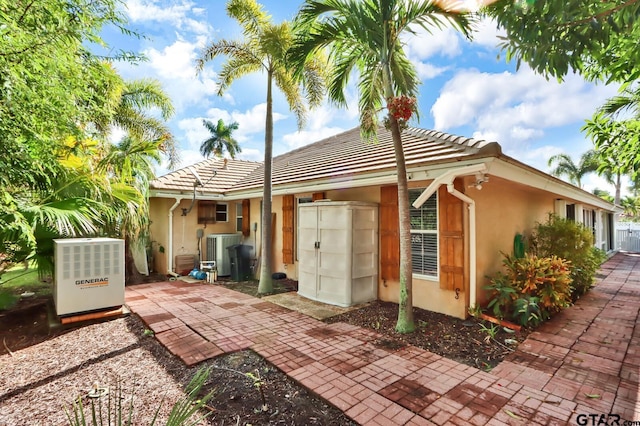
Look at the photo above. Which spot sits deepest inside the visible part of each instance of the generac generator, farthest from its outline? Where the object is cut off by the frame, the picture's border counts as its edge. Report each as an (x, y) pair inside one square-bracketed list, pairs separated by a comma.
[(89, 274)]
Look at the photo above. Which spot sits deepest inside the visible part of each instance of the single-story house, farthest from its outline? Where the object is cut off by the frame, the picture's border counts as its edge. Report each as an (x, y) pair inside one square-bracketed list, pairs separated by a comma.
[(469, 200)]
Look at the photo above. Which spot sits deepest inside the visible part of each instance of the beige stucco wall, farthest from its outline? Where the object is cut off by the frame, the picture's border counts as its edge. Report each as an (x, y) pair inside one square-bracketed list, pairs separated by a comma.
[(184, 235), (504, 209)]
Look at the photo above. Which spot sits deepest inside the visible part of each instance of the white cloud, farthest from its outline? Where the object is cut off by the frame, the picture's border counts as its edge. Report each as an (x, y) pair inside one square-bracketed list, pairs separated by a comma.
[(424, 45), (174, 67), (251, 154), (486, 33), (321, 124), (250, 122), (176, 14), (535, 157), (515, 108), (428, 71)]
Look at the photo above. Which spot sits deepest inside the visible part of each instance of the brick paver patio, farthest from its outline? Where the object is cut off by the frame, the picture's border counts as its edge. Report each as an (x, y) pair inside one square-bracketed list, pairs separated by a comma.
[(582, 364)]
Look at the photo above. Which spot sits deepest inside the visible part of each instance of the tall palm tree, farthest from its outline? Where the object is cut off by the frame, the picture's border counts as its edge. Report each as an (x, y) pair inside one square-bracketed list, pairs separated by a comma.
[(264, 48), (565, 166), (365, 35), (221, 139)]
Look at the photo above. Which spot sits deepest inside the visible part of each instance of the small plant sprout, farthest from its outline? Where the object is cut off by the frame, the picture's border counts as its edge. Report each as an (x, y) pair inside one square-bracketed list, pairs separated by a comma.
[(491, 331), (258, 383), (475, 311)]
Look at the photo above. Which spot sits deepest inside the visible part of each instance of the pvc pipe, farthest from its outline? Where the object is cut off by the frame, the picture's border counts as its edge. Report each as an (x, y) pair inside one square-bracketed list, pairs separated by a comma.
[(170, 245), (472, 242)]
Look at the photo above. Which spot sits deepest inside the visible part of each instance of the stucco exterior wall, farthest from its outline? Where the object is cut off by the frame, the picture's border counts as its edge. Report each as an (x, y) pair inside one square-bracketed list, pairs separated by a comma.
[(427, 293), (184, 233), (159, 230), (504, 209)]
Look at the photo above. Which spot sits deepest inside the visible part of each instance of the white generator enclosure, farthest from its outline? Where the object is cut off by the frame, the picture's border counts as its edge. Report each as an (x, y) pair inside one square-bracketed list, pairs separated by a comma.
[(89, 274), (217, 250), (338, 252)]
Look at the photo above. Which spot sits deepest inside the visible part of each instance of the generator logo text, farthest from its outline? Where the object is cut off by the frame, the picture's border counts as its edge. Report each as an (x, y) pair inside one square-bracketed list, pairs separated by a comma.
[(93, 281)]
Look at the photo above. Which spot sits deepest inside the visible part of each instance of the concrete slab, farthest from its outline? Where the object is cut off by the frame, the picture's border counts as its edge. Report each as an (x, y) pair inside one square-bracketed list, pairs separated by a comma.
[(317, 310)]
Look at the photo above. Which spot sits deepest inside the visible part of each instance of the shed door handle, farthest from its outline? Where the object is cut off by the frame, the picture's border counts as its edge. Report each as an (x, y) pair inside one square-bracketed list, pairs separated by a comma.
[(317, 244)]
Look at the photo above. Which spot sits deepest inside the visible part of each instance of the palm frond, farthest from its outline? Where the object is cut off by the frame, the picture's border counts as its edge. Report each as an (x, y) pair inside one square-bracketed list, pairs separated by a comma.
[(250, 15)]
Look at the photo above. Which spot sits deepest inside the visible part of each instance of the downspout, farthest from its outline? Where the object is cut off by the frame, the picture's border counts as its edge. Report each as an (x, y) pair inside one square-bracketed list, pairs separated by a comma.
[(447, 179), (472, 242), (170, 248)]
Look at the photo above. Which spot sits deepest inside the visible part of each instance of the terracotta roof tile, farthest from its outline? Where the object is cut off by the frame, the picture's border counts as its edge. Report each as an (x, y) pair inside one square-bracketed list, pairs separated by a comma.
[(347, 154), (225, 178), (339, 155)]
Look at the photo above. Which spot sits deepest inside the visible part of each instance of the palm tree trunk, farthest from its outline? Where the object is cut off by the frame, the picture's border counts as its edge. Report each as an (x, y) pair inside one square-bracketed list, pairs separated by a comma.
[(618, 185), (132, 276), (266, 281), (405, 322)]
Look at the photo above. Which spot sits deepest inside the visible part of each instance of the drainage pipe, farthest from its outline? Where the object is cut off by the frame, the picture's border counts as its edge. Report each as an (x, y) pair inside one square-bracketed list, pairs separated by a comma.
[(170, 237), (471, 205)]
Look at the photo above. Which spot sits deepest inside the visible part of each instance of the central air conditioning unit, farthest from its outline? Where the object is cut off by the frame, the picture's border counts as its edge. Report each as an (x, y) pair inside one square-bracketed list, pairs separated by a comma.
[(217, 250), (88, 274)]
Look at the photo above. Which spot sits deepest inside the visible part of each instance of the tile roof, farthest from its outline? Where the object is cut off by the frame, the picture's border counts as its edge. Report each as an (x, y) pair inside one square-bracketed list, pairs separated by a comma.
[(347, 154), (225, 178), (339, 155)]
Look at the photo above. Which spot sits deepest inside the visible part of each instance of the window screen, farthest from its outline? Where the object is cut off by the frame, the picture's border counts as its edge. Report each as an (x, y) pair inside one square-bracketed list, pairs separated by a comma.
[(424, 234)]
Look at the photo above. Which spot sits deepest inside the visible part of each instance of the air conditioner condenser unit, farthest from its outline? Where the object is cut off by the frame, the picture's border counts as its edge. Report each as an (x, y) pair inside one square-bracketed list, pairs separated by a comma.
[(88, 274)]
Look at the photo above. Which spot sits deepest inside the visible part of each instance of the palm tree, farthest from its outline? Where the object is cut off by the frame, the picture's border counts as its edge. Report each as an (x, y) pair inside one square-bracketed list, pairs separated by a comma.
[(574, 172), (365, 35), (264, 49), (630, 206), (128, 104), (612, 140), (221, 139), (627, 100), (603, 194), (130, 166)]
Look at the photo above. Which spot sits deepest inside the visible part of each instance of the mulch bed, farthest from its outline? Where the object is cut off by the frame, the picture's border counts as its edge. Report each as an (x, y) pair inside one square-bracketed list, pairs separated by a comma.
[(53, 365)]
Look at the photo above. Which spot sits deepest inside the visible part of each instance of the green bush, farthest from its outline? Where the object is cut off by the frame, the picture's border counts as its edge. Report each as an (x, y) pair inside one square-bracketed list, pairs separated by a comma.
[(572, 241), (531, 289)]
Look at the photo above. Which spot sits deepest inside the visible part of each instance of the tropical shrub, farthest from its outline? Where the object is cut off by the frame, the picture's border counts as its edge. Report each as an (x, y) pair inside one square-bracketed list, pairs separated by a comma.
[(531, 289), (572, 241)]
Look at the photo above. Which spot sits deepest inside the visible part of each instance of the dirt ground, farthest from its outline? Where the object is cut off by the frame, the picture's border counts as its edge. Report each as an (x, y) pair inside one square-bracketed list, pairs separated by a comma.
[(238, 399)]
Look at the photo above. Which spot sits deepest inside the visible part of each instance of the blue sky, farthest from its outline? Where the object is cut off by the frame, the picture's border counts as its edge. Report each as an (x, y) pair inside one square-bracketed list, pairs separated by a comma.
[(467, 88)]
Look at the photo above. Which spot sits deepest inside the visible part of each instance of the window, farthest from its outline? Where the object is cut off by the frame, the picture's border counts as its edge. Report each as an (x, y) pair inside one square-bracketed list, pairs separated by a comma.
[(221, 213), (211, 212), (424, 235), (239, 217), (589, 220)]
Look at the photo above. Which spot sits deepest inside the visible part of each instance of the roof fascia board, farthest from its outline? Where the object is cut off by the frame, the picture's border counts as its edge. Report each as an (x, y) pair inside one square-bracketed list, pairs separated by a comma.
[(184, 195), (540, 180)]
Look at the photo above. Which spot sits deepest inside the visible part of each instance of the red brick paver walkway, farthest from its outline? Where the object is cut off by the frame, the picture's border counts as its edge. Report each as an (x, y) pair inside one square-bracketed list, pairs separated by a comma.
[(584, 362)]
